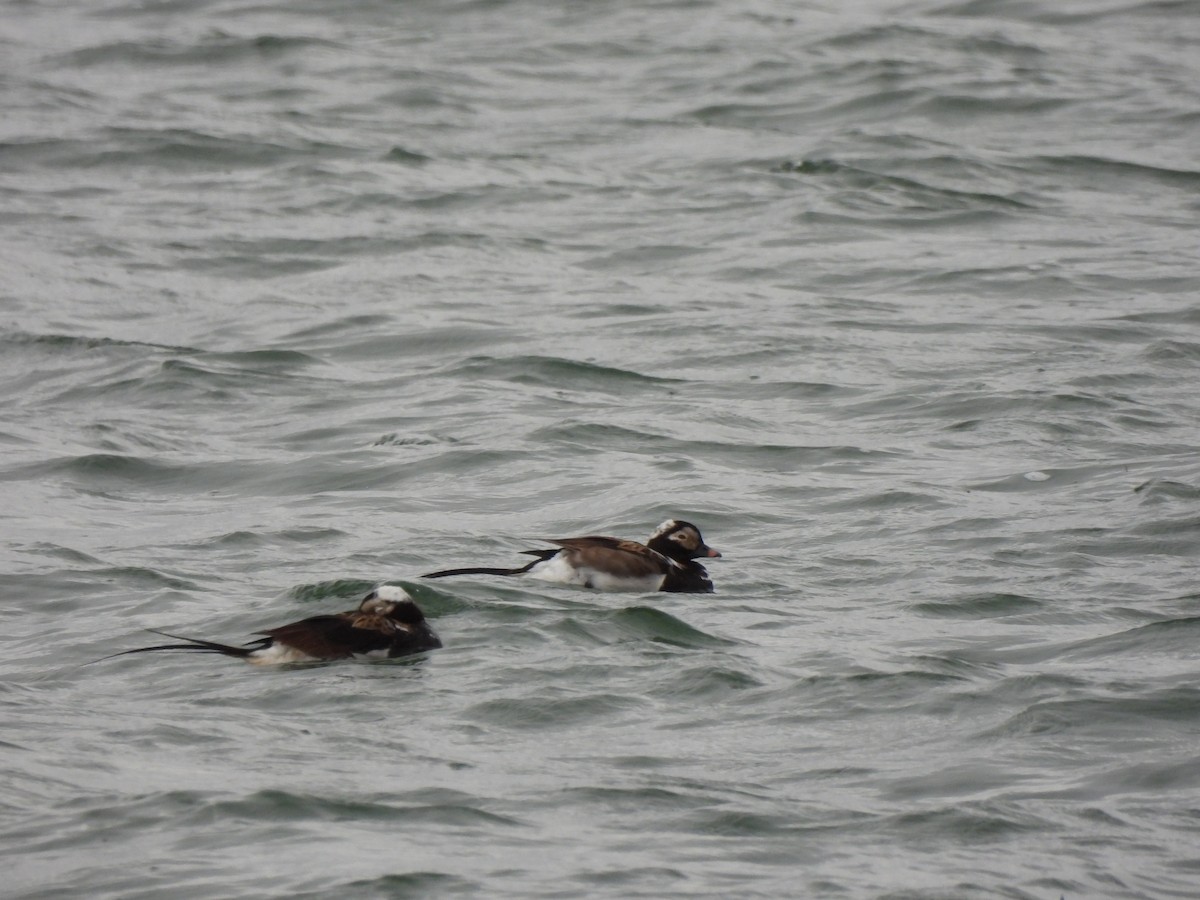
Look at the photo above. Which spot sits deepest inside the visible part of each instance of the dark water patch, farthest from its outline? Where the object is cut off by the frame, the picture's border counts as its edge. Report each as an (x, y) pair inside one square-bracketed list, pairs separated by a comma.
[(661, 627), (1183, 527), (641, 763), (1154, 539), (1175, 710), (266, 368), (1167, 636), (738, 823), (752, 116), (962, 889), (1011, 283), (1028, 11), (841, 695), (615, 310), (580, 632), (1114, 172), (1100, 333), (756, 389), (980, 606), (966, 824), (66, 554), (597, 438), (1153, 640), (635, 801), (117, 879), (198, 376), (554, 372), (498, 604), (126, 438), (179, 150), (646, 259), (871, 35), (267, 257), (890, 213), (161, 385), (554, 709), (14, 440), (254, 540), (245, 265), (336, 328), (264, 362), (123, 476), (837, 774), (960, 107), (75, 343), (1148, 778), (99, 469), (890, 499), (1162, 490), (1145, 421), (307, 535), (900, 326), (295, 808), (1183, 603), (399, 886), (77, 588), (1173, 352), (143, 577), (954, 666), (481, 197), (389, 341), (953, 781), (869, 189), (1188, 315), (512, 637), (135, 808), (642, 878), (63, 589), (412, 440), (215, 47), (321, 438), (406, 157), (900, 684), (708, 682), (447, 466)]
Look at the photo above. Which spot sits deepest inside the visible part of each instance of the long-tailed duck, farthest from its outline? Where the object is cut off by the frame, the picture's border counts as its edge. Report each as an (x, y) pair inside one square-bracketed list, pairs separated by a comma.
[(666, 562), (386, 624)]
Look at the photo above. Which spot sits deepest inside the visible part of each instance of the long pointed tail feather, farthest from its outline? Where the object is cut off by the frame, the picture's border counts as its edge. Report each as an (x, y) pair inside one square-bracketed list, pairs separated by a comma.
[(542, 556), (479, 571), (194, 644)]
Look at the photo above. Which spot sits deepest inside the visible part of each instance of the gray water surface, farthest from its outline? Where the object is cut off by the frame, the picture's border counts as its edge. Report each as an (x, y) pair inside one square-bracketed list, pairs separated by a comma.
[(897, 301)]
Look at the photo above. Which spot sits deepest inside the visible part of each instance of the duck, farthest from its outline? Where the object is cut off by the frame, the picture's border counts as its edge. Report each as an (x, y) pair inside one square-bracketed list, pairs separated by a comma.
[(386, 624), (666, 562)]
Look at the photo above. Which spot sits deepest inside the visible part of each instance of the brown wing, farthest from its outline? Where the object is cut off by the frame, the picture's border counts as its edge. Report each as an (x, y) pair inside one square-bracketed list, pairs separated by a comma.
[(593, 540), (624, 559), (336, 637), (599, 542)]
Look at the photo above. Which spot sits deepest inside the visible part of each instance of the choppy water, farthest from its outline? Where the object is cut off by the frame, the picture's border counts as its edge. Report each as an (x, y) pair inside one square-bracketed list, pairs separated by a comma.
[(898, 301)]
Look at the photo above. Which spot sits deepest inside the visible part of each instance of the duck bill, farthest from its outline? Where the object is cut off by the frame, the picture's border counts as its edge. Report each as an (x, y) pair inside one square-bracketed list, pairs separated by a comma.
[(710, 553)]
